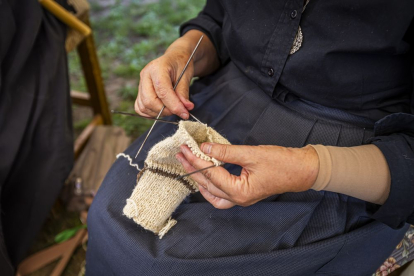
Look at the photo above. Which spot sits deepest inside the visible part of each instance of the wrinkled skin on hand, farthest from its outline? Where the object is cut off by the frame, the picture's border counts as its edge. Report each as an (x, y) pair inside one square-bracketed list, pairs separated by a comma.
[(267, 170), (156, 86), (158, 77)]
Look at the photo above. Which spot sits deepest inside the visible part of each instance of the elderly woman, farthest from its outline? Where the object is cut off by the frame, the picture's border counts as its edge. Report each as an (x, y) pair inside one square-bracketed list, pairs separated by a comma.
[(316, 99)]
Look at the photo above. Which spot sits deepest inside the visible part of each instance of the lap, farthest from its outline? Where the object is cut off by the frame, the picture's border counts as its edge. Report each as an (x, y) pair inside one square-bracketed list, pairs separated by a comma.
[(294, 233)]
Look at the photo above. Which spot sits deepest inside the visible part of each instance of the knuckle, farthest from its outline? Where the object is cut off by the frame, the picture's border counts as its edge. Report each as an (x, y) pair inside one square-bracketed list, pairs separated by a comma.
[(142, 73), (146, 102), (222, 153), (151, 64), (139, 111), (136, 106), (208, 174), (183, 92), (142, 110), (190, 158), (174, 109), (147, 111), (161, 92), (205, 184)]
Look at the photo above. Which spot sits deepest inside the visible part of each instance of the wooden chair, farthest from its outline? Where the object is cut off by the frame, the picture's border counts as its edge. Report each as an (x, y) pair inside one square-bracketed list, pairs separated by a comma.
[(79, 38)]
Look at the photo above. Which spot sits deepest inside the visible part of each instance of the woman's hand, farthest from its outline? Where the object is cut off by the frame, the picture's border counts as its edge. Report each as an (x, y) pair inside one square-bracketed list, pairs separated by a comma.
[(267, 170), (157, 78), (156, 86)]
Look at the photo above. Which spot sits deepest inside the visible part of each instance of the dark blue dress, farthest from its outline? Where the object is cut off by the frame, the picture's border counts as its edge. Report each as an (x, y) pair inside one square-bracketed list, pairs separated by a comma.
[(290, 234)]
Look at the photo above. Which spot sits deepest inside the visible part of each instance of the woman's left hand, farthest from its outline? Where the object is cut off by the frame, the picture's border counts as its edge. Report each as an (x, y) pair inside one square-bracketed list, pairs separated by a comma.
[(266, 171)]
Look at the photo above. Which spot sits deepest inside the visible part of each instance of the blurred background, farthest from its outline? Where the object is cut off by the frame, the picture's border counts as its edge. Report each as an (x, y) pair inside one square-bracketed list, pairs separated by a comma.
[(128, 34)]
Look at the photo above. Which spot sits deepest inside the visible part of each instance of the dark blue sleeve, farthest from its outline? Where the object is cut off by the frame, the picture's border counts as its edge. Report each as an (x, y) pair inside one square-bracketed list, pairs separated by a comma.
[(210, 21), (395, 138)]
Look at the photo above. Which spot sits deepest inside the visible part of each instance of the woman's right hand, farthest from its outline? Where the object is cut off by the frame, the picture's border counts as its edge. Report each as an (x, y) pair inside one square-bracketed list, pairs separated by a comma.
[(158, 77)]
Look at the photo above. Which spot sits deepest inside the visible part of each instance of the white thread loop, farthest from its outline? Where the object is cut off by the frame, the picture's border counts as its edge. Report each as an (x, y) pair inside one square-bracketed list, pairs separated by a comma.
[(170, 223), (129, 159)]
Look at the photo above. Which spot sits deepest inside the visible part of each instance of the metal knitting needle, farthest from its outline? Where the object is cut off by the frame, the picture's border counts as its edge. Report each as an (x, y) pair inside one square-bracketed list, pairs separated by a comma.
[(136, 115), (200, 170), (175, 86)]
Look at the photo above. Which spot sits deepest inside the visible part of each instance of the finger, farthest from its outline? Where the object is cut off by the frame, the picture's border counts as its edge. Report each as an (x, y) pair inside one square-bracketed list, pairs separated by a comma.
[(165, 92), (139, 106), (141, 110), (149, 98), (219, 203), (218, 176), (200, 178), (183, 89), (228, 153)]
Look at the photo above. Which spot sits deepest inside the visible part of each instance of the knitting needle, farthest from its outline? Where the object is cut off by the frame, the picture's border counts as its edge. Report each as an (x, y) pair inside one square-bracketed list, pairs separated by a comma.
[(175, 86), (136, 115), (200, 170)]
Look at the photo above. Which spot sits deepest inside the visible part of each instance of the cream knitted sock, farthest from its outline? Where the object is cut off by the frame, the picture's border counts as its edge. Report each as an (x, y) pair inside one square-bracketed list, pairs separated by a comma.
[(158, 193)]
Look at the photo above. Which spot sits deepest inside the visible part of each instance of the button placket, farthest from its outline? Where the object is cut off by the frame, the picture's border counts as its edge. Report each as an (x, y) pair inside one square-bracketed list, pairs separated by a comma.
[(279, 46)]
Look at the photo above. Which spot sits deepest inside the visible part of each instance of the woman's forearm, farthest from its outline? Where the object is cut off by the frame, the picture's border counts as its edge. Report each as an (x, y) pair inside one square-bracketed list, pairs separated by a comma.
[(205, 59)]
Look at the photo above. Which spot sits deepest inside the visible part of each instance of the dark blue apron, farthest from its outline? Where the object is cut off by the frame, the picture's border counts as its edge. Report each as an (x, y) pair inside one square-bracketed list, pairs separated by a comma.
[(306, 233)]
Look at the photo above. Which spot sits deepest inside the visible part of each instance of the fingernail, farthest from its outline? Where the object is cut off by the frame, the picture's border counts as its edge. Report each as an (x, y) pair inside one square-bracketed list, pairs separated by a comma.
[(206, 148), (184, 115)]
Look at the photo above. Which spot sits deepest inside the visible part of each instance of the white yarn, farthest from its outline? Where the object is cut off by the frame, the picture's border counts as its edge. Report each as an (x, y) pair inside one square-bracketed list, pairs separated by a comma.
[(129, 159), (133, 204), (170, 223)]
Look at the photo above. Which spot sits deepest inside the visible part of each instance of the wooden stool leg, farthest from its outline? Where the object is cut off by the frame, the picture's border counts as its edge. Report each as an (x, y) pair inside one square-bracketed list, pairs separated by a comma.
[(40, 259), (93, 77)]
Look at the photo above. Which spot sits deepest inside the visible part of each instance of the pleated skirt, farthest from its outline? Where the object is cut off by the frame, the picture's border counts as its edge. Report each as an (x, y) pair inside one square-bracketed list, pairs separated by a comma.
[(307, 233)]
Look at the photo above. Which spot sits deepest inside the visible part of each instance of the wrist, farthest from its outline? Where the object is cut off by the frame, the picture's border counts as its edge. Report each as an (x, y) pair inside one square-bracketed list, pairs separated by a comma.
[(205, 58), (191, 39), (311, 166), (185, 45)]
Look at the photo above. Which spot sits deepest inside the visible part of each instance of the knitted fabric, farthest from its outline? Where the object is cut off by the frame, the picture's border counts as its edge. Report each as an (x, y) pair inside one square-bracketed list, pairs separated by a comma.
[(158, 193)]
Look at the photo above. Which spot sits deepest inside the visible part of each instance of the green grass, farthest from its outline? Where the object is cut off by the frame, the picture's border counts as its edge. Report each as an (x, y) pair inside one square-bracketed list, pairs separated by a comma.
[(128, 36), (128, 92), (134, 34)]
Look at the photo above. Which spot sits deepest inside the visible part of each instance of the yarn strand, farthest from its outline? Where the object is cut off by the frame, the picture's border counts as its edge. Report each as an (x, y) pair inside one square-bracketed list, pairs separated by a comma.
[(129, 159)]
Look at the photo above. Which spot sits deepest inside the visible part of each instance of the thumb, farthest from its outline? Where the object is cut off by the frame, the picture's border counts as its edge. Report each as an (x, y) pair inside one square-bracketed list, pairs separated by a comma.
[(227, 153), (187, 103)]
